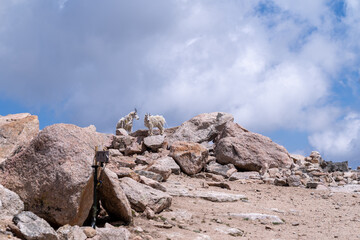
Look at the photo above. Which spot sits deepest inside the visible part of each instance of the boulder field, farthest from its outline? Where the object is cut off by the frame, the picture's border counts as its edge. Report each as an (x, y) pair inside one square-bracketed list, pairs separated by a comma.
[(46, 178)]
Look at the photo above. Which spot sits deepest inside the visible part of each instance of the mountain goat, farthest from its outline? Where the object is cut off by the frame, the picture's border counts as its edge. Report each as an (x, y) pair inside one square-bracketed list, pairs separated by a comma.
[(127, 121), (154, 121)]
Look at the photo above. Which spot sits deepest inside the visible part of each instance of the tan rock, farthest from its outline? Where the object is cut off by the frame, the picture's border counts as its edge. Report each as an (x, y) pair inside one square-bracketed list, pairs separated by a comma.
[(16, 132), (190, 156), (68, 232), (122, 161), (53, 175), (89, 232), (272, 172)]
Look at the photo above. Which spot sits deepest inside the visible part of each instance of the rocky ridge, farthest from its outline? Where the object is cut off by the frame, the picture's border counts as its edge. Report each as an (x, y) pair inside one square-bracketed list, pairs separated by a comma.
[(51, 173)]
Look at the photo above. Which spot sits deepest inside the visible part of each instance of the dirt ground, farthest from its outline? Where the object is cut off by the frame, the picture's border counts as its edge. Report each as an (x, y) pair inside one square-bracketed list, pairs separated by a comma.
[(306, 213)]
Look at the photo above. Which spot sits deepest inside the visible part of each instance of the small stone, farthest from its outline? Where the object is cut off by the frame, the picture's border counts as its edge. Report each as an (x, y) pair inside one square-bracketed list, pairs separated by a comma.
[(152, 183), (89, 232), (219, 184), (151, 175), (121, 132), (272, 172), (138, 229), (143, 160), (293, 181), (312, 185), (280, 182)]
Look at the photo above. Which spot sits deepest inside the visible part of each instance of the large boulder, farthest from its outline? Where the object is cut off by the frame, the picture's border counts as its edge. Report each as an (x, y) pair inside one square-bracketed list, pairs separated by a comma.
[(53, 175), (141, 196), (250, 151), (10, 203), (32, 227), (190, 156), (16, 132), (202, 128), (231, 129), (113, 198)]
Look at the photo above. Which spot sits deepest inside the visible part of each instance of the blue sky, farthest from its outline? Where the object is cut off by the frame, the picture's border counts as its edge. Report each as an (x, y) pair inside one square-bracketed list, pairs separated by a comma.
[(286, 69)]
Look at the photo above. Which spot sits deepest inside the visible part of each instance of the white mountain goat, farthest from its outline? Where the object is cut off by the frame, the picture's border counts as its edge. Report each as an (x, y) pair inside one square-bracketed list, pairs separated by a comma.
[(154, 121), (127, 121)]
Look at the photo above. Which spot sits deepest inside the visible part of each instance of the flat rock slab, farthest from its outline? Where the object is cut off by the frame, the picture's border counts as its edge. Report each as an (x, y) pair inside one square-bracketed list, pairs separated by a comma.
[(207, 195), (119, 233), (235, 232), (141, 196), (350, 188), (149, 174), (257, 216), (244, 175)]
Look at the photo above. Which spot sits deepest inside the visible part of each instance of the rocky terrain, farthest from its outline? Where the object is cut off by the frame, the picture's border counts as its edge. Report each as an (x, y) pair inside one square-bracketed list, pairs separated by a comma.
[(209, 178)]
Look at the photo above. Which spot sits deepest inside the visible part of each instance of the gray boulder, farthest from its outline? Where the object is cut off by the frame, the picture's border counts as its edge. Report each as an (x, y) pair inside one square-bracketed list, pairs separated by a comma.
[(154, 142), (141, 196), (10, 203), (202, 128), (33, 227)]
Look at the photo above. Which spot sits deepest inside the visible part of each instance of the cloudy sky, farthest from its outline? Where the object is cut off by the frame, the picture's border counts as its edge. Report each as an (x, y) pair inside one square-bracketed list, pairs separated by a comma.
[(285, 69)]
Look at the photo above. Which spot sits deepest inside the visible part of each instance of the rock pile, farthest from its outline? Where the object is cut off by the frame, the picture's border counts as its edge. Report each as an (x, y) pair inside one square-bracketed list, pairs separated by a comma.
[(50, 171)]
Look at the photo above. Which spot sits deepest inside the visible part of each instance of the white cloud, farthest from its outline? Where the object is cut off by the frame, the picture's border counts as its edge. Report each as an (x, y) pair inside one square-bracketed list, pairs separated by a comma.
[(341, 141), (272, 66)]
